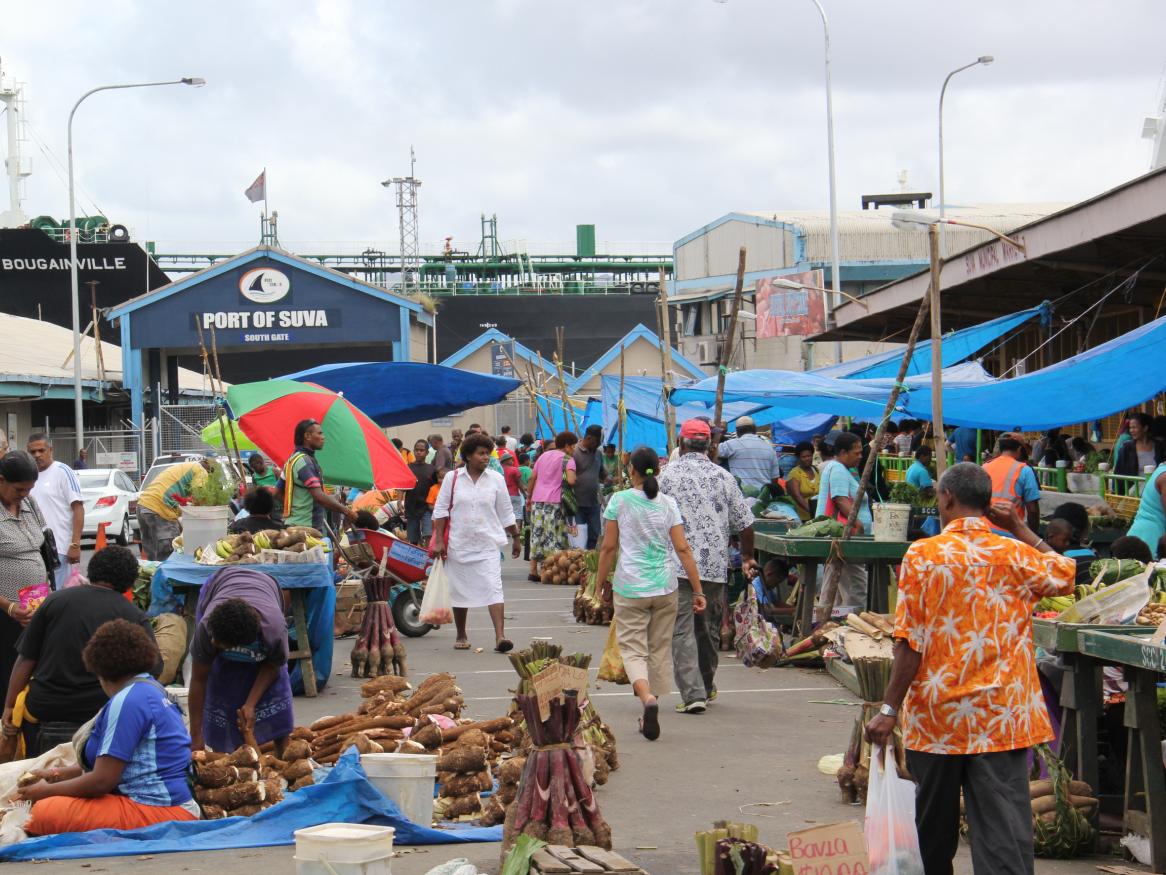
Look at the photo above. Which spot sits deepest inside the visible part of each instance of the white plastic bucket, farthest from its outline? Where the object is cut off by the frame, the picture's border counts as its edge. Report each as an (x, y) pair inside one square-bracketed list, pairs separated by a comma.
[(203, 525), (344, 849), (891, 522), (408, 779)]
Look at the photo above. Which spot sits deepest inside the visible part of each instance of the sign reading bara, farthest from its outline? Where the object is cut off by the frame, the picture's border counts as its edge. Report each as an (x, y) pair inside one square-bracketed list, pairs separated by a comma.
[(264, 285), (833, 849)]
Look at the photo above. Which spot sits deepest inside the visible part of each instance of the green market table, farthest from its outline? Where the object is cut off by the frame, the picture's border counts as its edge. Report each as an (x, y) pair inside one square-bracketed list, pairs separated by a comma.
[(1084, 650), (811, 553)]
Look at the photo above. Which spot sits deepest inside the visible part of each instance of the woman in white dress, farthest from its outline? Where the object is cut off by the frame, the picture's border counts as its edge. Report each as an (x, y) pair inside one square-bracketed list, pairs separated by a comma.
[(471, 517)]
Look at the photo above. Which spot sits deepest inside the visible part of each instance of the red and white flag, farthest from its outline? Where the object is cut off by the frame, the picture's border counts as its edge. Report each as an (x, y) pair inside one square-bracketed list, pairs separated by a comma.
[(257, 191)]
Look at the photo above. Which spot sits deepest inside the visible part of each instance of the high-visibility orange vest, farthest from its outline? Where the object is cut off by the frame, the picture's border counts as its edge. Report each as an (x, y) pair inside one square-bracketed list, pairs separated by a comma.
[(1005, 473)]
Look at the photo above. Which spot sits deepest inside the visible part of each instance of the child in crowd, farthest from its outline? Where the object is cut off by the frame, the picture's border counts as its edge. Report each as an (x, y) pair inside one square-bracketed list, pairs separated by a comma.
[(1130, 547)]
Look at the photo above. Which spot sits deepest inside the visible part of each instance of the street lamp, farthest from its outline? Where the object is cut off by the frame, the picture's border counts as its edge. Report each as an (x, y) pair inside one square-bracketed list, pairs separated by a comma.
[(983, 60), (73, 284), (835, 275)]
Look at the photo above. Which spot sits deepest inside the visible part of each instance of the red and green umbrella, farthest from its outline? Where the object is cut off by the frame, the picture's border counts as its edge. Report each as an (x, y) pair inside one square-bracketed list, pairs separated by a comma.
[(356, 451)]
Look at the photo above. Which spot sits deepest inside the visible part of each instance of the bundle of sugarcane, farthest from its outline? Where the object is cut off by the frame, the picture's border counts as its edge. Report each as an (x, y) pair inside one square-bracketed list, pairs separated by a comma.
[(873, 675), (707, 841), (378, 649), (554, 801)]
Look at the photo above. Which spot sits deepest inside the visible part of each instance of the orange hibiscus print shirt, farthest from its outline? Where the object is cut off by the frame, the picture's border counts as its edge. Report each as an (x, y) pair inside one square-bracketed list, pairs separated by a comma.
[(965, 604)]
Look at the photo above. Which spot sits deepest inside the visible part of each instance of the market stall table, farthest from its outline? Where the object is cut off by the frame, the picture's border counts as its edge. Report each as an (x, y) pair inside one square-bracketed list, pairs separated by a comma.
[(810, 553), (312, 590)]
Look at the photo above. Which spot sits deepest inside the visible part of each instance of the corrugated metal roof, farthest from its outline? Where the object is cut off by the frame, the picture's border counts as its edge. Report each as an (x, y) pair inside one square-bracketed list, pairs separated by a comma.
[(40, 351), (868, 235)]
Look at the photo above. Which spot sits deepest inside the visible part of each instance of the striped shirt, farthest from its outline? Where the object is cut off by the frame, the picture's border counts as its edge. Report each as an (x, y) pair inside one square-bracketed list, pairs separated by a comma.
[(751, 459), (177, 481)]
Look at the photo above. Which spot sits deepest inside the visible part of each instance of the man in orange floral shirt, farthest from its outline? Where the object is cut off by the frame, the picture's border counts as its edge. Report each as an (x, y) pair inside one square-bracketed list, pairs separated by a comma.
[(965, 675)]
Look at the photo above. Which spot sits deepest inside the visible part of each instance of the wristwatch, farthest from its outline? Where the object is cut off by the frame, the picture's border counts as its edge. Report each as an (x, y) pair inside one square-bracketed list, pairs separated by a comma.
[(887, 711)]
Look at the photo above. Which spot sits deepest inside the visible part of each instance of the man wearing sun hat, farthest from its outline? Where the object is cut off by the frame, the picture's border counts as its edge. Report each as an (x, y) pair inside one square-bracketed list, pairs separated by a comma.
[(713, 509)]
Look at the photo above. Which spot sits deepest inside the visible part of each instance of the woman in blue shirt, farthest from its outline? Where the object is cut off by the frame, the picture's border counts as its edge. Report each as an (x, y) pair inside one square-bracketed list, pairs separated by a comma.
[(135, 759), (919, 474)]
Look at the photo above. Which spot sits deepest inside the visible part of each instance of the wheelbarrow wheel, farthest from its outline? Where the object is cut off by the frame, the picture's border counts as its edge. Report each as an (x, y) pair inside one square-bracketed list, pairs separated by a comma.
[(406, 610)]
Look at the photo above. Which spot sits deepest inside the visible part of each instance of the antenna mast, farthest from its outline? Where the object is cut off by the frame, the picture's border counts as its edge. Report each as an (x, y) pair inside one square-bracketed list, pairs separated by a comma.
[(406, 187)]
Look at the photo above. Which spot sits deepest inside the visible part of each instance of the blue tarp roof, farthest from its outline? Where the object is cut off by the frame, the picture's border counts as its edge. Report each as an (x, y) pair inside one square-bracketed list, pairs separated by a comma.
[(561, 419), (1110, 378), (957, 346), (398, 393), (344, 796)]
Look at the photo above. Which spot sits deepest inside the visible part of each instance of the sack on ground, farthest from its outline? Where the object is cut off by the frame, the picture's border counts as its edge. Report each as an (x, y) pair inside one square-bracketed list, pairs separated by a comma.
[(892, 842), (436, 604), (758, 643), (611, 665)]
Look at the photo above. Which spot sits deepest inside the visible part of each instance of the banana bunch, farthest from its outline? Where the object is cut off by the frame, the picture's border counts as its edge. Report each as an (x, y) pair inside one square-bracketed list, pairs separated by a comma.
[(1085, 590), (1055, 603), (296, 539), (1158, 597), (236, 548)]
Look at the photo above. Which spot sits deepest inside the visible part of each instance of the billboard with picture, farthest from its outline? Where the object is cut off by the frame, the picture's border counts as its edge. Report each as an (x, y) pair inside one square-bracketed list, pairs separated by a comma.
[(783, 312)]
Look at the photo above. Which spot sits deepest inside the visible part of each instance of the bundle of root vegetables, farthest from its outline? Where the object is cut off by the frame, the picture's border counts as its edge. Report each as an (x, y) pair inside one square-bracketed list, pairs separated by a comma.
[(378, 649), (463, 770), (854, 774), (592, 733), (589, 607), (554, 801), (564, 568), (245, 782)]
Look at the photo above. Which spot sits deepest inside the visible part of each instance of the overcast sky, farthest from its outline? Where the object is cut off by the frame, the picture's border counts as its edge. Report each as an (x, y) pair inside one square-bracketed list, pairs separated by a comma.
[(648, 118)]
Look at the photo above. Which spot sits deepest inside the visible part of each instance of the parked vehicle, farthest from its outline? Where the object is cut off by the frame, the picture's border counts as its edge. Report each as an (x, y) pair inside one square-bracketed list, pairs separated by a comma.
[(110, 497)]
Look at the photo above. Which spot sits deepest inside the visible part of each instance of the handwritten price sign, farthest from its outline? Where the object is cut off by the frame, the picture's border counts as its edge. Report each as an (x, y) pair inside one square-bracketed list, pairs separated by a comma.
[(834, 849)]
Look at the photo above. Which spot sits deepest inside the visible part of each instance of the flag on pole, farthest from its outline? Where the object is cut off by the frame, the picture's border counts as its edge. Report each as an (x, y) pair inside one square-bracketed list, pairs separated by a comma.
[(257, 191)]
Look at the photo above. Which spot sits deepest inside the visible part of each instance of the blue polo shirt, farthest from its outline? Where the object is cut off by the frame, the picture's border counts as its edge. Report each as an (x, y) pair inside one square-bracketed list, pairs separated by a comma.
[(144, 729), (918, 475)]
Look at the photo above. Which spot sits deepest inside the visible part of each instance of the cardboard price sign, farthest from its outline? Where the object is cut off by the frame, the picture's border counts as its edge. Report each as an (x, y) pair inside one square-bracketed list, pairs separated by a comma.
[(834, 849), (550, 683)]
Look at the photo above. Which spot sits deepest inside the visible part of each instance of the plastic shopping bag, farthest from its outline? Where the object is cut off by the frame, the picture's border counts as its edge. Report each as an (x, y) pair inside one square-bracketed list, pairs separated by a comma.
[(891, 840), (756, 641), (436, 605), (76, 578), (611, 665)]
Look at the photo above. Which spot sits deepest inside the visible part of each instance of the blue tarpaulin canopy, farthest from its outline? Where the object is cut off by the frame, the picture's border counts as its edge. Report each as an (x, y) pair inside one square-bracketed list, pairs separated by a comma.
[(957, 346), (398, 393), (344, 796), (577, 419)]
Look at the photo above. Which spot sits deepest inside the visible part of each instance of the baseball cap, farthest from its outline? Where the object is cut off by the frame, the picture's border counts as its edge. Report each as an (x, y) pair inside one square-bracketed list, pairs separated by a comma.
[(695, 428), (744, 421)]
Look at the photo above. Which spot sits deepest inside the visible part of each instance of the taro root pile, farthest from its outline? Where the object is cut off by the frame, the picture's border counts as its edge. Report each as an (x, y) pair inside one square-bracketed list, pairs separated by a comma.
[(589, 607), (564, 568), (554, 801), (509, 773), (247, 781), (463, 771), (378, 649)]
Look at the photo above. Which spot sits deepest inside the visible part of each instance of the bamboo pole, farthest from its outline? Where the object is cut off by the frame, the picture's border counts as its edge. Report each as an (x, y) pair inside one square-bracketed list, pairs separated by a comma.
[(727, 346), (666, 363), (619, 417), (557, 358), (221, 390)]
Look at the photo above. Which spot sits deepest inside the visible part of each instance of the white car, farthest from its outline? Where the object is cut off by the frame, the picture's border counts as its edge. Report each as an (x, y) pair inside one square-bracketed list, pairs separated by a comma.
[(110, 497)]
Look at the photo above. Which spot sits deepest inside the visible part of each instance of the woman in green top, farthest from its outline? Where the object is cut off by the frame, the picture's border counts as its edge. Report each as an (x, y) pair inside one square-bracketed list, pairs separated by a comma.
[(641, 524), (261, 473), (803, 481)]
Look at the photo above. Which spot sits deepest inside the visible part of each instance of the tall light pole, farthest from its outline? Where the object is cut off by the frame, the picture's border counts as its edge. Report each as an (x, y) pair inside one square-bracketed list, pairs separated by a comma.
[(73, 283), (835, 271), (983, 60)]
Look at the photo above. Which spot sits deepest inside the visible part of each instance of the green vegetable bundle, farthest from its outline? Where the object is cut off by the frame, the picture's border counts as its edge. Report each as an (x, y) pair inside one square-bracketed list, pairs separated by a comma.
[(1115, 570), (819, 527)]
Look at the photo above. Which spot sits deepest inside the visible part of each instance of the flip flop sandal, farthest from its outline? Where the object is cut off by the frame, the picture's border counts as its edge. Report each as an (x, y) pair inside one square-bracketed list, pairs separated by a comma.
[(462, 645), (504, 646), (534, 578), (650, 722)]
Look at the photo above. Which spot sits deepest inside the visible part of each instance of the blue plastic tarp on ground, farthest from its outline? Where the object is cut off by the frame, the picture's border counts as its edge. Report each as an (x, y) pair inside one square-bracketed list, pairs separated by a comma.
[(345, 796), (319, 604), (957, 346), (398, 393)]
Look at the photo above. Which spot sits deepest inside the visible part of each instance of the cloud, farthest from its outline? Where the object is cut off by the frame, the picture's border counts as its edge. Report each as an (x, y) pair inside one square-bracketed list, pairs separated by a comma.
[(647, 118)]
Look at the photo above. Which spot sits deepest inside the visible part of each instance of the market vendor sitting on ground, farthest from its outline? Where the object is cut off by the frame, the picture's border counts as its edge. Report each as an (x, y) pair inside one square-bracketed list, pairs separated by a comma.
[(239, 680), (965, 677), (713, 510), (751, 458), (1013, 480), (803, 481), (160, 505), (136, 756), (61, 693), (301, 487)]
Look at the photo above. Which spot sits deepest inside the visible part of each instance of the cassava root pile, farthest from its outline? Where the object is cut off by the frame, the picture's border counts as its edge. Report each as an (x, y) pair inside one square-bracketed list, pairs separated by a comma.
[(247, 781), (378, 649)]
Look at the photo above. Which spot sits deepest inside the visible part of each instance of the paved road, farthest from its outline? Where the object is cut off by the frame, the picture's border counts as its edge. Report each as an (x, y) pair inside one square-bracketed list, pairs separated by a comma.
[(759, 743)]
